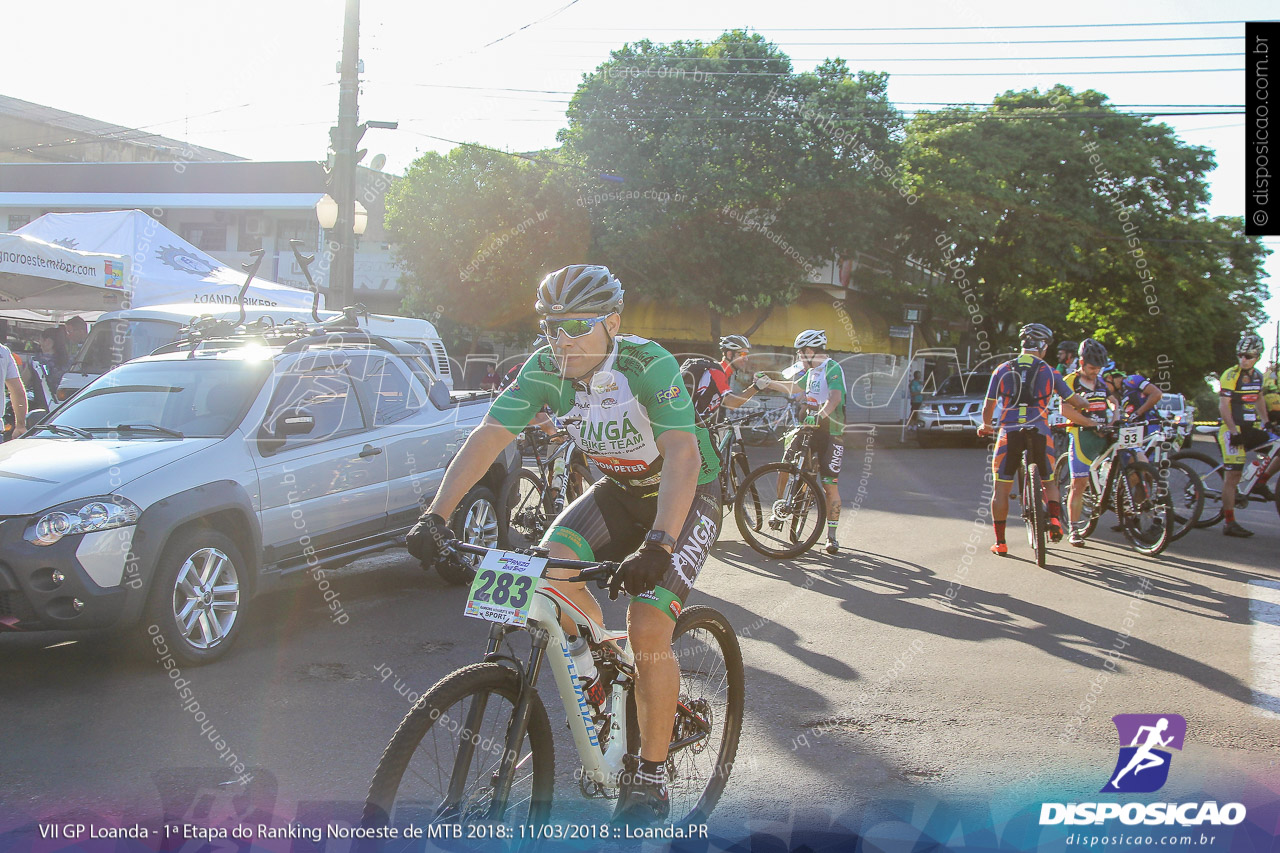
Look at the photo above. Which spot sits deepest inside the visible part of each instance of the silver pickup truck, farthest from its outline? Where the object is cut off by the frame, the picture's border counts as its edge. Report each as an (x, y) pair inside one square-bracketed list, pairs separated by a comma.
[(176, 486)]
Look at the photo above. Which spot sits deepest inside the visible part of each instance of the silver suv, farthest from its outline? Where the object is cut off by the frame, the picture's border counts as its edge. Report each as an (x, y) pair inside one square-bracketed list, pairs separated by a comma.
[(955, 409), (173, 488)]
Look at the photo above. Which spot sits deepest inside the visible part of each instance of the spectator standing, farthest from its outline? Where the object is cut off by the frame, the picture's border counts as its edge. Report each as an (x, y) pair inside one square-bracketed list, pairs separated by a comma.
[(490, 380), (55, 354), (917, 392), (77, 331), (17, 392)]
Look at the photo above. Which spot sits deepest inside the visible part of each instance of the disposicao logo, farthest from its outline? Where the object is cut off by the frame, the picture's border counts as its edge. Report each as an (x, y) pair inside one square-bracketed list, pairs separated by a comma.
[(1142, 768), (1145, 739)]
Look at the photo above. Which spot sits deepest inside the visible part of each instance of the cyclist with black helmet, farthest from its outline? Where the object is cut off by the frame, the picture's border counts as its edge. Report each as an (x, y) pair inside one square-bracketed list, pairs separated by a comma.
[(1243, 408), (824, 391), (657, 509), (1086, 382), (1023, 387), (1068, 361)]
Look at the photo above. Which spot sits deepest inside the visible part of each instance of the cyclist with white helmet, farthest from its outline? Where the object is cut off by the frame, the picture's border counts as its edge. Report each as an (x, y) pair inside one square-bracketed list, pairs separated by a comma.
[(734, 352), (824, 390), (1242, 405), (657, 509)]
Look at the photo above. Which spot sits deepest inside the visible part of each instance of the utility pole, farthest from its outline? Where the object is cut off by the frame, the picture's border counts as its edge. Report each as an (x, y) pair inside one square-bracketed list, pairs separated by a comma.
[(342, 277)]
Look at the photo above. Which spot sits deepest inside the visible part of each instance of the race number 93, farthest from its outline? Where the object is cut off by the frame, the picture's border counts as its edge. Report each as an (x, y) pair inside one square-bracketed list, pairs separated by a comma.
[(1131, 436)]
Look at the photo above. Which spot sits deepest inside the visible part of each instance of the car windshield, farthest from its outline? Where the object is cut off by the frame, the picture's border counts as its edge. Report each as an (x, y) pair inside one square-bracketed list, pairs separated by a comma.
[(196, 398), (113, 342), (970, 384)]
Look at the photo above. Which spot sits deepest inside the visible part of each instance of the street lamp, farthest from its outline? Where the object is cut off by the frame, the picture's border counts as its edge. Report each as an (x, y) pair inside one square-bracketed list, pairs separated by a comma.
[(361, 218), (327, 212)]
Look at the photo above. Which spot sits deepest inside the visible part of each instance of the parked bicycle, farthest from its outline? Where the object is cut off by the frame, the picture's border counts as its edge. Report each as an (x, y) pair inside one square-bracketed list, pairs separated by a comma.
[(777, 502), (1140, 497), (1183, 482), (731, 451), (477, 748), (773, 423), (535, 498), (1212, 472)]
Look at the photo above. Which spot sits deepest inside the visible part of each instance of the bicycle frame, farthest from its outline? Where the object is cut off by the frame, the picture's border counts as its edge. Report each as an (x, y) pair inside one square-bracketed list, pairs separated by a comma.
[(545, 608)]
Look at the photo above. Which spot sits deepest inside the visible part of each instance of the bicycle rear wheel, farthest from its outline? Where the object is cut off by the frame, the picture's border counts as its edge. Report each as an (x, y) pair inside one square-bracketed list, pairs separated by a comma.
[(1187, 493), (412, 782), (526, 518), (709, 719), (774, 518), (1035, 513), (1145, 508)]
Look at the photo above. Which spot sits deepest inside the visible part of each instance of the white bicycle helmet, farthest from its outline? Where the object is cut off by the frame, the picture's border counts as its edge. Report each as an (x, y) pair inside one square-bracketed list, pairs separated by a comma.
[(578, 289), (814, 338), (735, 343)]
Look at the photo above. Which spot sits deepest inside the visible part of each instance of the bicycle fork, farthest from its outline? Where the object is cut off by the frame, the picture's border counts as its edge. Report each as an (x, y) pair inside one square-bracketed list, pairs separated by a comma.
[(516, 730)]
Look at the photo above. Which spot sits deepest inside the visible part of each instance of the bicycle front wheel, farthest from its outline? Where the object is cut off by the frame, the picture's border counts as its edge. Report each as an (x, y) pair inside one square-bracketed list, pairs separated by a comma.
[(1145, 508), (422, 778), (1187, 493), (1210, 472), (781, 510)]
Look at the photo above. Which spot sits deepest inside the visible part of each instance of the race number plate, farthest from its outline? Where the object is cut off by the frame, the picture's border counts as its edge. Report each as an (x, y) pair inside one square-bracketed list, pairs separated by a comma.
[(1131, 436), (503, 587)]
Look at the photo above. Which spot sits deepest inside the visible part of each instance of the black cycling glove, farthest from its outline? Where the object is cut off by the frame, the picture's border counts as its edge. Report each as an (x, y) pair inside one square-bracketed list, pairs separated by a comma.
[(640, 572), (426, 538)]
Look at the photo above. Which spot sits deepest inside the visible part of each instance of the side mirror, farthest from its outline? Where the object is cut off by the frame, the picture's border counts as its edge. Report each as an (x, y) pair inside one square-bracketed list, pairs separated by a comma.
[(294, 422), (36, 416)]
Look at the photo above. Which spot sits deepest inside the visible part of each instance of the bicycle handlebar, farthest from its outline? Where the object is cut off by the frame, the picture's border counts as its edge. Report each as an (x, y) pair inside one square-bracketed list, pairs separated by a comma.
[(600, 572)]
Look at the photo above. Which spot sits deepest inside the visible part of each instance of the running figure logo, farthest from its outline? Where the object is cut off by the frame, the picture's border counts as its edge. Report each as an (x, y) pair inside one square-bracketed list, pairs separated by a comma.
[(1143, 765)]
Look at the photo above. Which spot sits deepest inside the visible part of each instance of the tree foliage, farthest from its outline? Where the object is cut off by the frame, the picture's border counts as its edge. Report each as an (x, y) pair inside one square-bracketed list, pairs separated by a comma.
[(475, 231), (1059, 209), (740, 177)]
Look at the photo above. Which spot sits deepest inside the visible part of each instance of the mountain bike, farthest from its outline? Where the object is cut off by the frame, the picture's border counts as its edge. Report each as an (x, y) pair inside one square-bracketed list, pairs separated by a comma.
[(1183, 482), (1134, 489), (535, 498), (1212, 473), (776, 502), (734, 465), (1035, 512), (477, 748), (773, 423)]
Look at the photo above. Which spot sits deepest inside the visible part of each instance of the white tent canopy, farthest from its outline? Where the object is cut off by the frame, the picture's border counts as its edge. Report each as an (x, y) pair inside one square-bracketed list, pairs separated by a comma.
[(39, 274), (165, 268)]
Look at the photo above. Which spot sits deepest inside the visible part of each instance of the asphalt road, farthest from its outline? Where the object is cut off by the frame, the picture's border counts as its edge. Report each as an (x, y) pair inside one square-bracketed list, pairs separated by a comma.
[(914, 667)]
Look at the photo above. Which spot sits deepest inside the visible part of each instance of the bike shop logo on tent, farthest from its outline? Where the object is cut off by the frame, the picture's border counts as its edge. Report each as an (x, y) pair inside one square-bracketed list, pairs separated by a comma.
[(1145, 741), (183, 261)]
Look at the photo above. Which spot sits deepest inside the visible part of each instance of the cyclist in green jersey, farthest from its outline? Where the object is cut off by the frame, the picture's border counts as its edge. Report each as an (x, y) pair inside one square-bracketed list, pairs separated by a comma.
[(824, 391), (657, 509)]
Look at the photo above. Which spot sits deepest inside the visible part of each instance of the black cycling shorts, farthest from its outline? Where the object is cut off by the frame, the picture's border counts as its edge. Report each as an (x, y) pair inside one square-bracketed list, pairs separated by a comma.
[(608, 522), (829, 451)]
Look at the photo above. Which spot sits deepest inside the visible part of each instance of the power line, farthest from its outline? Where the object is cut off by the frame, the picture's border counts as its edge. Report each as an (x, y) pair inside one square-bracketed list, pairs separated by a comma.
[(942, 58), (909, 29), (945, 43), (546, 17)]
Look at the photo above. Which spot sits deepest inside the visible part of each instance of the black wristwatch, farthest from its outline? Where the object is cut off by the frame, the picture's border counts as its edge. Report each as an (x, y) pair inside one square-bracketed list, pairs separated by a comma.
[(659, 538)]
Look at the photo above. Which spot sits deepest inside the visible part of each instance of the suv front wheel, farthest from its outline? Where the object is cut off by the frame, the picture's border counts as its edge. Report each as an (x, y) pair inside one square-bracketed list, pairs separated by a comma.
[(197, 596), (474, 522)]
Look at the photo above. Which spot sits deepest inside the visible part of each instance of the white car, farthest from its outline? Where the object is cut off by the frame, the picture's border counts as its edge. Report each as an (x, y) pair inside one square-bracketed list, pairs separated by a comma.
[(173, 488)]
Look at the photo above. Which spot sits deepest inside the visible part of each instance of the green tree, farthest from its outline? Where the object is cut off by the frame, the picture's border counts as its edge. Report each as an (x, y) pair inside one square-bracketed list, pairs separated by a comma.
[(475, 230), (741, 178), (1055, 207)]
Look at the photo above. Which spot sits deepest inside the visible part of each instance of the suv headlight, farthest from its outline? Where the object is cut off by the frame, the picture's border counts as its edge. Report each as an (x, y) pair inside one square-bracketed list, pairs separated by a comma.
[(83, 516)]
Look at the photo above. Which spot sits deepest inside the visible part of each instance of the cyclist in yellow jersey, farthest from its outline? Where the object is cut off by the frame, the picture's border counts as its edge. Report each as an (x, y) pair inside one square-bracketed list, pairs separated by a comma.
[(1241, 404)]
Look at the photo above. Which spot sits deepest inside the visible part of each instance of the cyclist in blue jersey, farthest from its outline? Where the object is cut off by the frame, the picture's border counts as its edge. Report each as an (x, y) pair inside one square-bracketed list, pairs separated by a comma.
[(1023, 387)]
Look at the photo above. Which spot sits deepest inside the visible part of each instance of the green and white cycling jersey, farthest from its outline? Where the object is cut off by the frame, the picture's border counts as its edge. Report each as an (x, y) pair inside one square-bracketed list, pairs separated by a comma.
[(818, 382), (636, 395)]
